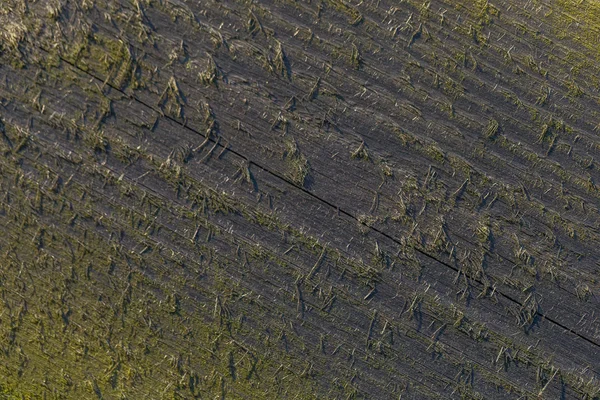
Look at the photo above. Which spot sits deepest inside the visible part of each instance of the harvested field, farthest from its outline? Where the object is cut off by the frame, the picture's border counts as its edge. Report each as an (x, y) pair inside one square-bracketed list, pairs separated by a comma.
[(297, 199)]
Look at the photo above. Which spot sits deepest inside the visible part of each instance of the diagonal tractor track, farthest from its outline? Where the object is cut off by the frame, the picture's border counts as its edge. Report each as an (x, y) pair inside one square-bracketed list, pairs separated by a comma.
[(566, 331)]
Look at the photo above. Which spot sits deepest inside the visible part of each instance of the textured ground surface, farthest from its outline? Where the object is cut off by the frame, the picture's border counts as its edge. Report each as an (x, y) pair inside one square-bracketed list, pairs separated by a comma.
[(321, 199)]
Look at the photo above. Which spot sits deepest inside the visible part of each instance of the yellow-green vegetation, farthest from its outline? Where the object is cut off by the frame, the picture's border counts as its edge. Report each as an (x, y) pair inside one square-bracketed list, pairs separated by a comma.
[(578, 21), (299, 200)]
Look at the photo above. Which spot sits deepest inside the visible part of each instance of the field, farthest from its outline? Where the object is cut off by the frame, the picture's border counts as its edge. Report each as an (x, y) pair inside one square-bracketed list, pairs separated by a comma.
[(299, 199)]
